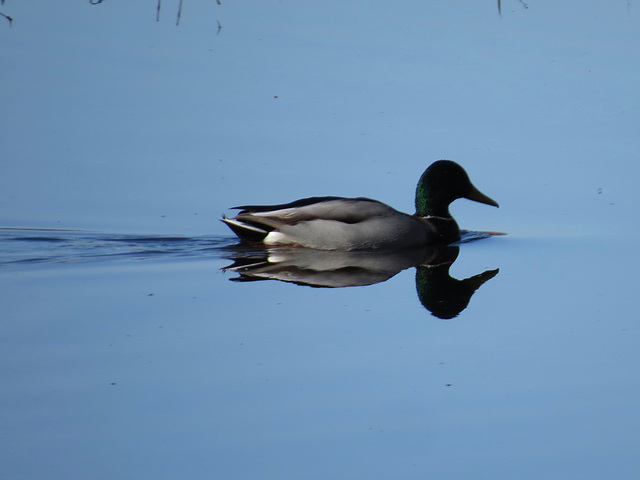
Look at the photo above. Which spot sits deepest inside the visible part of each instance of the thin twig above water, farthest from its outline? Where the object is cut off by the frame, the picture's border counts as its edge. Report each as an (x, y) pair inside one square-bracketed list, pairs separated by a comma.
[(179, 13), (10, 19)]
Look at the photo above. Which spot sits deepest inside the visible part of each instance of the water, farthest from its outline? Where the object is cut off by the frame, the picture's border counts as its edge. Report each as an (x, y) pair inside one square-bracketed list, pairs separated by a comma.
[(50, 246), (144, 356), (139, 340)]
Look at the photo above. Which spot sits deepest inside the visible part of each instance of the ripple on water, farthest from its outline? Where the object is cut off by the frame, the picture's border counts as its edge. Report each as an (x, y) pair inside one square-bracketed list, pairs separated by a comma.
[(31, 246)]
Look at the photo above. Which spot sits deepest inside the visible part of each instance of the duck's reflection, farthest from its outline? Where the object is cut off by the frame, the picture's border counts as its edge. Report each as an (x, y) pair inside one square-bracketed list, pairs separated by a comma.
[(445, 297)]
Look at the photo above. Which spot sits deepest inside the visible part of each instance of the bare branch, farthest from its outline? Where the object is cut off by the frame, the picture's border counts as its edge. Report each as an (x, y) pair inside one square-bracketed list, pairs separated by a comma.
[(10, 19), (179, 13)]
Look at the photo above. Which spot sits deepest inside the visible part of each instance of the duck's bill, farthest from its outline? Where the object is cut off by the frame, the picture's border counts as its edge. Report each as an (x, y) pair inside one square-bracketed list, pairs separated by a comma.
[(477, 196)]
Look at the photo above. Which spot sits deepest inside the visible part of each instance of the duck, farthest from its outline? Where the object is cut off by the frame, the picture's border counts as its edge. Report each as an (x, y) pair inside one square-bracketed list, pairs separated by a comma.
[(360, 223)]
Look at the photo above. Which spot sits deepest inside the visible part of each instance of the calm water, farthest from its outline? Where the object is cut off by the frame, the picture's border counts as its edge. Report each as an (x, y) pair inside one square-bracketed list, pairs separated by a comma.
[(140, 341)]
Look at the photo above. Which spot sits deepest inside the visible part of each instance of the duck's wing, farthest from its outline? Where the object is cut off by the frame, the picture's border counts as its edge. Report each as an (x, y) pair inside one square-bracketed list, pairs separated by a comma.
[(327, 223), (341, 209), (303, 202)]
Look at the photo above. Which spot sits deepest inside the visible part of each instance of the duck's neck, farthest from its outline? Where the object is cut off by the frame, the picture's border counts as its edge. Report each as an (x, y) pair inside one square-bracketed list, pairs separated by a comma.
[(433, 206), (444, 230), (429, 203)]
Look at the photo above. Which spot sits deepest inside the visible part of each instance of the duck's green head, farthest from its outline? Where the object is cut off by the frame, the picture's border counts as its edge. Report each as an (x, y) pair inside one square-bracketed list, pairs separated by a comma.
[(442, 183)]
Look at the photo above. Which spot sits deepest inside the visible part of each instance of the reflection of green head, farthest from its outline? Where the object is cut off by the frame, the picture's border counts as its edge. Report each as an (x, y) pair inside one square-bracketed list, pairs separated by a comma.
[(442, 183), (444, 296)]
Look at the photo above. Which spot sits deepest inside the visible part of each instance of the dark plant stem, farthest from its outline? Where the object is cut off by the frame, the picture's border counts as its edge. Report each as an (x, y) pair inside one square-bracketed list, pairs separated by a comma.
[(10, 19), (179, 13)]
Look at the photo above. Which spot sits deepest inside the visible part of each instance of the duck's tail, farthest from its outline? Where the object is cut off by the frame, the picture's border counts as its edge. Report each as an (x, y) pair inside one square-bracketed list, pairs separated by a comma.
[(246, 231)]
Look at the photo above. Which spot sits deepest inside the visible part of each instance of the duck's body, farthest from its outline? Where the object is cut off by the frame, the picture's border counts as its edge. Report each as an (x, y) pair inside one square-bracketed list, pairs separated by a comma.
[(339, 223), (335, 223)]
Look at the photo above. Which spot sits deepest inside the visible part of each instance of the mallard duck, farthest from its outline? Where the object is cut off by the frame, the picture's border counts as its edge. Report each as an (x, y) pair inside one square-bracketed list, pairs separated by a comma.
[(339, 223)]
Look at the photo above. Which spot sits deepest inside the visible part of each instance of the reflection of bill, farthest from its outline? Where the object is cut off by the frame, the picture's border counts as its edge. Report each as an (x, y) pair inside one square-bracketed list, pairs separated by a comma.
[(442, 295)]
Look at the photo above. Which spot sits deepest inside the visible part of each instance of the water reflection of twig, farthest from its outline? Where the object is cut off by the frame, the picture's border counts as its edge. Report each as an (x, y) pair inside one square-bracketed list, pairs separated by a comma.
[(158, 11), (219, 27)]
